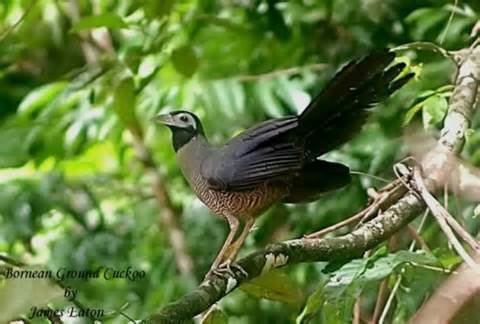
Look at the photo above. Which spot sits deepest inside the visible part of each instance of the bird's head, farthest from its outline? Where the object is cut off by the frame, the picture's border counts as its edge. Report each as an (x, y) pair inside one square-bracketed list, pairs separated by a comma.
[(184, 126)]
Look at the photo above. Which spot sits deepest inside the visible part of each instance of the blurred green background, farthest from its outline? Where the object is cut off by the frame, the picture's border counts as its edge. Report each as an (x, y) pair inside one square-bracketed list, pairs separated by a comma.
[(80, 80)]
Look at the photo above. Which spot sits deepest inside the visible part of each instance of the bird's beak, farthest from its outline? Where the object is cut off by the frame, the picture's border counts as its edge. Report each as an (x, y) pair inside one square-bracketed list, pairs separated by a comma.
[(165, 119)]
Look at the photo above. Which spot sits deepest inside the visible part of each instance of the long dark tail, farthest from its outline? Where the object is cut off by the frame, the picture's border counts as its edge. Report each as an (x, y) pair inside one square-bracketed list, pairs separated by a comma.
[(341, 109)]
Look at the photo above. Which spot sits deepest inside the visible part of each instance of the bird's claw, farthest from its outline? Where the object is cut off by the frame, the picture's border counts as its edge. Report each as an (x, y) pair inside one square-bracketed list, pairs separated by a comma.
[(229, 268)]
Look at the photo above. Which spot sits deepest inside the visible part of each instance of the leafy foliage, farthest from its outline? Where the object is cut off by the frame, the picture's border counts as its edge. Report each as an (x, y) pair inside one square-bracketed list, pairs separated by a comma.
[(78, 78)]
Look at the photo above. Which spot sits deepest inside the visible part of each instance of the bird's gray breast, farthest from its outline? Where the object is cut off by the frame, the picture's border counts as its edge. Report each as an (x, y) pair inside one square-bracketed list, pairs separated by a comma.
[(242, 204)]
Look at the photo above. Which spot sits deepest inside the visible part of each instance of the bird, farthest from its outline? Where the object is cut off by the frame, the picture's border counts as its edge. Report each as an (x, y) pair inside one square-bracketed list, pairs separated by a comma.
[(277, 160)]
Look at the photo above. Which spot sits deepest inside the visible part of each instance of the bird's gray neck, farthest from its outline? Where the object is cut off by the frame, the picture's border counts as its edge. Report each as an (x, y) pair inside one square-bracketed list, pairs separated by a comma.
[(191, 155)]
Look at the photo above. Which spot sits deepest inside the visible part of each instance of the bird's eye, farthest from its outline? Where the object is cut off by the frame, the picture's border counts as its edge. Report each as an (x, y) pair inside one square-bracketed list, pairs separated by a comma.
[(184, 118)]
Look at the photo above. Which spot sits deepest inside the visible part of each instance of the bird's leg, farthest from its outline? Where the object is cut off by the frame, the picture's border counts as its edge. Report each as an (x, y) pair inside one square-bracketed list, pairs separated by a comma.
[(227, 266), (233, 224), (235, 246)]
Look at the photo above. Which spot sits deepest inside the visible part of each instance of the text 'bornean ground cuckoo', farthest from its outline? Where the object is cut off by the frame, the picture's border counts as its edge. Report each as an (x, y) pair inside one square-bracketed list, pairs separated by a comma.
[(276, 160)]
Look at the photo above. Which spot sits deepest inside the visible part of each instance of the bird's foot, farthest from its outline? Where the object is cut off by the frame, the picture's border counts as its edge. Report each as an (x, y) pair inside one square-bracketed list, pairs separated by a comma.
[(229, 268)]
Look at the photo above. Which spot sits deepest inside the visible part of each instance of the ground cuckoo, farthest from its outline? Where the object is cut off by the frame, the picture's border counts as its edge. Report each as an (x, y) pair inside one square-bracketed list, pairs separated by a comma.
[(277, 160)]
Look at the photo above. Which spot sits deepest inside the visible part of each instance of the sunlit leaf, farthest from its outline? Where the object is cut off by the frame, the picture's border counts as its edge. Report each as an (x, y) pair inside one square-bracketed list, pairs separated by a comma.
[(75, 137), (98, 158), (215, 316), (434, 105), (434, 110), (265, 95), (185, 60), (18, 296), (108, 20), (314, 304), (124, 102), (289, 92), (412, 112), (274, 285), (346, 282), (158, 9), (425, 20), (13, 152), (40, 97), (236, 95), (369, 270)]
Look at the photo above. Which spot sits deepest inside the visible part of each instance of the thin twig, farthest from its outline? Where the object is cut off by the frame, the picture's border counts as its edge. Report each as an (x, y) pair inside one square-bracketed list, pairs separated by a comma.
[(370, 176), (357, 311), (358, 216), (445, 196), (449, 22), (382, 292), (444, 220), (54, 318), (24, 15), (425, 46), (416, 236), (8, 260), (442, 212), (385, 198), (169, 216), (432, 268), (389, 302), (282, 72), (394, 290), (382, 196)]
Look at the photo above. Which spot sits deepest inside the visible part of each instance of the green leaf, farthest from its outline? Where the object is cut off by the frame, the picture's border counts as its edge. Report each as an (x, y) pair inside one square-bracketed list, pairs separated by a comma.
[(185, 60), (75, 137), (124, 101), (18, 296), (370, 270), (215, 316), (469, 133), (158, 9), (40, 97), (476, 211), (274, 285), (411, 113), (314, 304), (108, 20), (236, 95), (343, 285), (434, 110), (13, 151), (291, 94), (264, 93), (424, 20), (434, 107)]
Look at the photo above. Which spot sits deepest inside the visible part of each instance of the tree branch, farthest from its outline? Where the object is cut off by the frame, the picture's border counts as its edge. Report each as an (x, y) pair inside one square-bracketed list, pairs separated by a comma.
[(278, 255), (437, 165), (450, 297), (169, 216)]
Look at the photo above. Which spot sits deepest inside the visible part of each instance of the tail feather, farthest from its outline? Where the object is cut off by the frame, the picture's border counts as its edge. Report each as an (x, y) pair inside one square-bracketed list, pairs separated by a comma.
[(339, 111), (347, 81), (315, 178)]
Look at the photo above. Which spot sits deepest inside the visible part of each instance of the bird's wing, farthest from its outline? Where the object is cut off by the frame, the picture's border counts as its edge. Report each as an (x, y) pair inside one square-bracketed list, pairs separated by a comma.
[(261, 134), (262, 153)]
